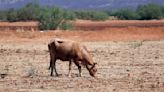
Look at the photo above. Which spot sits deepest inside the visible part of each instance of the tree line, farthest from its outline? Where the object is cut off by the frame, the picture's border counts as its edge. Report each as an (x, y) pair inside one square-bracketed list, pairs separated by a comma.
[(143, 12), (57, 18)]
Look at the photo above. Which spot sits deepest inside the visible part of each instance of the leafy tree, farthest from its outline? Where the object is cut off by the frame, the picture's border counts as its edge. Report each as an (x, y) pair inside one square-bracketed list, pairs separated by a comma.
[(12, 15), (162, 12), (149, 11), (53, 18), (29, 12), (127, 14), (3, 16), (91, 15), (99, 16)]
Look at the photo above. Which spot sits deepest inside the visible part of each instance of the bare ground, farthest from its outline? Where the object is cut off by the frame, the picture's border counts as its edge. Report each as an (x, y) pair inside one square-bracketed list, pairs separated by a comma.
[(134, 66), (130, 59)]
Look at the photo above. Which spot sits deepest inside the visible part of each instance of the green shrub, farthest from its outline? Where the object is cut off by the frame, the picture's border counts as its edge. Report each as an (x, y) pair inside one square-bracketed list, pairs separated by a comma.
[(47, 19), (3, 16), (29, 12), (91, 15), (53, 18), (127, 14), (99, 16), (65, 26), (12, 15), (149, 11), (162, 12)]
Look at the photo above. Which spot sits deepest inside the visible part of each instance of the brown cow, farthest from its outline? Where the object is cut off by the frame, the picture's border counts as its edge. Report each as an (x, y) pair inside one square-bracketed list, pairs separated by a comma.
[(71, 51)]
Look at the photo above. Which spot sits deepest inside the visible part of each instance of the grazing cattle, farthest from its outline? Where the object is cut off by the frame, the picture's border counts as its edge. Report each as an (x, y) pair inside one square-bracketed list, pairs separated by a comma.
[(67, 50)]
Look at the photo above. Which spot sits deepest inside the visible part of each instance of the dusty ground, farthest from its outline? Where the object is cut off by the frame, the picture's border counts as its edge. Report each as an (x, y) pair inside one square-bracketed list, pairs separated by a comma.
[(129, 59), (112, 34), (101, 25), (122, 66)]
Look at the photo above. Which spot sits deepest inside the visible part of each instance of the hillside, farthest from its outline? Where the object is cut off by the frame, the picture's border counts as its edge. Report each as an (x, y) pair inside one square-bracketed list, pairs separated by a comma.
[(80, 4)]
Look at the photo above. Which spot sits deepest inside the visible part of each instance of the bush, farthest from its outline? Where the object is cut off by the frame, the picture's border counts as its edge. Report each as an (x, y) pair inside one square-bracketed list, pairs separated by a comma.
[(26, 13), (53, 18), (29, 12), (99, 16), (149, 11), (3, 16), (12, 15), (162, 12), (127, 14), (91, 15), (65, 26)]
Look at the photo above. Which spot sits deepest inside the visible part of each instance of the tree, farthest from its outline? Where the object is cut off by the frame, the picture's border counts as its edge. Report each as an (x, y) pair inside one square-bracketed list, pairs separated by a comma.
[(91, 15), (127, 14), (162, 12), (29, 12), (53, 18), (12, 15), (149, 11), (3, 16)]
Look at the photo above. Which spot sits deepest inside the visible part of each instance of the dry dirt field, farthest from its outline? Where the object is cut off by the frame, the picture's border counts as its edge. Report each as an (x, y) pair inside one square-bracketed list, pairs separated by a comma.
[(129, 60)]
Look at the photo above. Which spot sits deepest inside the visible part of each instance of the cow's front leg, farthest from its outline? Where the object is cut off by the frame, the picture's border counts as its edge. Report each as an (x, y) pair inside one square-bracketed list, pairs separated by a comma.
[(70, 67), (79, 67)]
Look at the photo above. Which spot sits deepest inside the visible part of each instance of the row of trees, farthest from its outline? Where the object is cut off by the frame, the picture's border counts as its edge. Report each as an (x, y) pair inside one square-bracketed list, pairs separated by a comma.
[(49, 17), (56, 18), (143, 12)]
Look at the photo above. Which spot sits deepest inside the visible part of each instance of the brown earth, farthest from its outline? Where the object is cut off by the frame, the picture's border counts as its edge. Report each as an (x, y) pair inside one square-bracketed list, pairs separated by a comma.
[(131, 66), (101, 25), (30, 25), (96, 31), (130, 59), (112, 34)]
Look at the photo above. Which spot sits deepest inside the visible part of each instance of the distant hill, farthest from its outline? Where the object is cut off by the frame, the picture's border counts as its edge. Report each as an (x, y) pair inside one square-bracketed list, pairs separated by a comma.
[(80, 4)]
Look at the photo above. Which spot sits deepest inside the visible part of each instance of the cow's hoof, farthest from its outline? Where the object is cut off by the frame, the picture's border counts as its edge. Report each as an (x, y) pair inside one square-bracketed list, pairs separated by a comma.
[(57, 75), (51, 75)]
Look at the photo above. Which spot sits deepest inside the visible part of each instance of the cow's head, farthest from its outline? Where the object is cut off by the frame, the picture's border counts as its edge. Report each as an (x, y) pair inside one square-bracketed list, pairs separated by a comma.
[(93, 70)]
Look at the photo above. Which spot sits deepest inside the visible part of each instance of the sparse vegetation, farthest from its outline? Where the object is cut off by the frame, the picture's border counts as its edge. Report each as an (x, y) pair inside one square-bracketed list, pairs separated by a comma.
[(54, 18), (127, 14), (48, 17), (91, 15), (136, 44), (28, 12), (3, 16), (57, 18), (12, 15), (143, 12), (163, 12), (129, 69), (149, 11)]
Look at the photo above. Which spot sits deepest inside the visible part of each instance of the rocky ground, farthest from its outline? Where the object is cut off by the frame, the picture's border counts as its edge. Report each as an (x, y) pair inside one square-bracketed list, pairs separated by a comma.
[(129, 66)]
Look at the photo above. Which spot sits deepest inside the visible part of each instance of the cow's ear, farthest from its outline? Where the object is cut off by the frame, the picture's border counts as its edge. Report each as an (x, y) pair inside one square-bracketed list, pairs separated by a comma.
[(60, 41), (95, 63)]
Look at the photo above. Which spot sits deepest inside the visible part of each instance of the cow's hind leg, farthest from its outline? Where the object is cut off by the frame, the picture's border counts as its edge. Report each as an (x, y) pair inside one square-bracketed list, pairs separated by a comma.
[(50, 64), (55, 68), (52, 68)]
